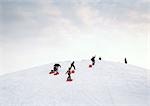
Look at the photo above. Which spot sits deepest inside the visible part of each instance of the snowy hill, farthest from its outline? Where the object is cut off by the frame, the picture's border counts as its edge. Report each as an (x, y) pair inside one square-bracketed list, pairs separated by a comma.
[(106, 84)]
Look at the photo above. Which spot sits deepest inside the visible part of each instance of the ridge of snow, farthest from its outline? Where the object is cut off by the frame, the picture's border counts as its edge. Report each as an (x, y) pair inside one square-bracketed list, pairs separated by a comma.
[(106, 84)]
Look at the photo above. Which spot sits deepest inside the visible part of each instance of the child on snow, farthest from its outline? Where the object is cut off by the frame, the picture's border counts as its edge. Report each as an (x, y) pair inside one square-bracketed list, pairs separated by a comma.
[(70, 71), (125, 60), (69, 74), (93, 60), (55, 68)]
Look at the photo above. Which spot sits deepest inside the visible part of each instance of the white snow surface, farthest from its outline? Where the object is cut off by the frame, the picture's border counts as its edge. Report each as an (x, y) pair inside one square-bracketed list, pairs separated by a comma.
[(106, 84)]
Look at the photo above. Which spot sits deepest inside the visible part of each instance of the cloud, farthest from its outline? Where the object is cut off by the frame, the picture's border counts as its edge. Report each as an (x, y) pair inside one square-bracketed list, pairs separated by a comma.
[(58, 29), (26, 15)]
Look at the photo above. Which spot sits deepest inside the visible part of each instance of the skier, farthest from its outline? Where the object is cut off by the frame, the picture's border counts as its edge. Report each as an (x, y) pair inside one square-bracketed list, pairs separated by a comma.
[(125, 60), (93, 60), (55, 69), (69, 74)]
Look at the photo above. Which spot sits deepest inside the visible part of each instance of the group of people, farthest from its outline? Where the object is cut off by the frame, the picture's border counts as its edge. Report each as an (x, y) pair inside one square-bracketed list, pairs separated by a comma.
[(70, 71), (93, 60)]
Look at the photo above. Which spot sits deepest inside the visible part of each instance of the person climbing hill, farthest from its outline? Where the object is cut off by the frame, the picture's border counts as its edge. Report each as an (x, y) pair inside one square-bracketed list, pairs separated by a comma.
[(93, 60), (125, 60)]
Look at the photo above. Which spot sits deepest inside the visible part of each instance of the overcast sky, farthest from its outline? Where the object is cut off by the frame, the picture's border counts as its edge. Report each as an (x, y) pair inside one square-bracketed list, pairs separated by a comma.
[(36, 32)]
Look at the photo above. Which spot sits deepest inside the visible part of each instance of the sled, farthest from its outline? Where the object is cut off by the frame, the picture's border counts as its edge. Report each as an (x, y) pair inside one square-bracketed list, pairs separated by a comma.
[(56, 73), (90, 66), (51, 72), (73, 71), (69, 80)]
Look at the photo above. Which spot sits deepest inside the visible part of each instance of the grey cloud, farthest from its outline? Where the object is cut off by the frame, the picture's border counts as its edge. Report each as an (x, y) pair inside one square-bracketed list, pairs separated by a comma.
[(27, 16), (23, 18), (118, 10)]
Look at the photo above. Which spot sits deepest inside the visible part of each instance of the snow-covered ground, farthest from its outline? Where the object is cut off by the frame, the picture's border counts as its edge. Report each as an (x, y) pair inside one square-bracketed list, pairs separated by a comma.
[(106, 84)]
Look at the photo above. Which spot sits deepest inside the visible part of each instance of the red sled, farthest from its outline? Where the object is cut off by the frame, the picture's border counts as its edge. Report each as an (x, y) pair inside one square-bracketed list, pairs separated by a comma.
[(56, 73), (51, 72), (90, 66), (69, 80), (72, 71)]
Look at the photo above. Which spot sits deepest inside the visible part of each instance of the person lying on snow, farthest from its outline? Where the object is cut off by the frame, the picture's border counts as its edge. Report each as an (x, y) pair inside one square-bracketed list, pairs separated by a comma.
[(55, 68)]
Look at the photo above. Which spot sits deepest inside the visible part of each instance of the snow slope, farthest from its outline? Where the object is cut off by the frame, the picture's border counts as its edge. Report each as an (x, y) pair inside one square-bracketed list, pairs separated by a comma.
[(106, 84)]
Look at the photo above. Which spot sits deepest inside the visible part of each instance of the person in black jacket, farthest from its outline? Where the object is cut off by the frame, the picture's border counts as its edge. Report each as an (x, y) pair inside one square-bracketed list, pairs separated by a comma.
[(125, 60), (93, 60)]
